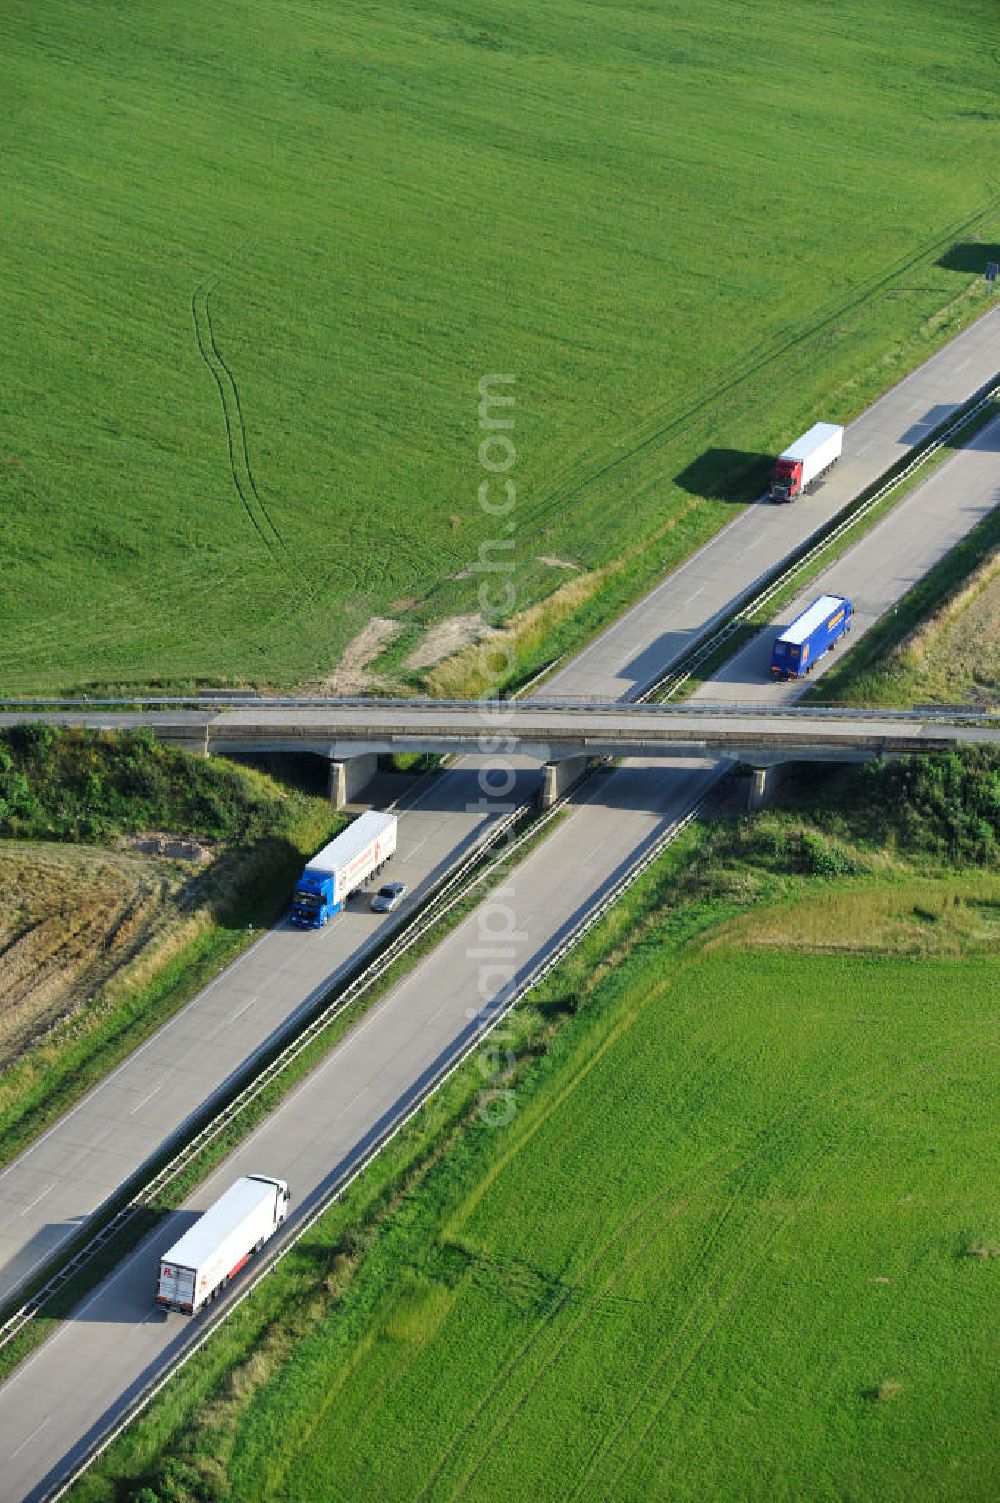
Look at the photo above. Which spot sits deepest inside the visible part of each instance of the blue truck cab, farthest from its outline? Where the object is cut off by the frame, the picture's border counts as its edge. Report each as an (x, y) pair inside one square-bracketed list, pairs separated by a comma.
[(815, 631), (313, 901)]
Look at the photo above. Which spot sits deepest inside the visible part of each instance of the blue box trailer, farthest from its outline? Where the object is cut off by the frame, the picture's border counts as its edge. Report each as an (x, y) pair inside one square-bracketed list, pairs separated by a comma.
[(814, 632)]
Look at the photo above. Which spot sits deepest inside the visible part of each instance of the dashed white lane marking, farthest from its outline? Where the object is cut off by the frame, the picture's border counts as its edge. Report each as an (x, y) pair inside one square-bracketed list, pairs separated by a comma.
[(29, 1438), (241, 1010), (139, 1105), (31, 1204)]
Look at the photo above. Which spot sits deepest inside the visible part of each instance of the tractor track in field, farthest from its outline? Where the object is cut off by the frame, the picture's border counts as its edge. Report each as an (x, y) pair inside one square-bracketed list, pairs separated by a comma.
[(593, 1298), (232, 411), (744, 1167), (712, 1306)]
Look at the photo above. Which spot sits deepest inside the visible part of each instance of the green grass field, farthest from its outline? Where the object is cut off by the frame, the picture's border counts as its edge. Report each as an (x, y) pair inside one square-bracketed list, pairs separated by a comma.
[(686, 229), (697, 1261)]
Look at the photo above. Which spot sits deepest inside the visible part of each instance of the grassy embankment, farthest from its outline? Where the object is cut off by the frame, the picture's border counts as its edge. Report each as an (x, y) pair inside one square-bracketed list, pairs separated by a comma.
[(740, 1238), (346, 221), (98, 943)]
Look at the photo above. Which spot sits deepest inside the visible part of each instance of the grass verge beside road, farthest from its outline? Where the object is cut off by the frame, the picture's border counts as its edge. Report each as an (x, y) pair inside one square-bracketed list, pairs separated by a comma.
[(971, 553), (738, 1221)]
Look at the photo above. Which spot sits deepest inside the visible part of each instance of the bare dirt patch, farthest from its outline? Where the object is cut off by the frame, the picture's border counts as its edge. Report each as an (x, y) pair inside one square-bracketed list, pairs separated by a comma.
[(557, 563), (459, 672), (70, 920), (885, 1392), (454, 634), (351, 674), (983, 1250), (155, 843)]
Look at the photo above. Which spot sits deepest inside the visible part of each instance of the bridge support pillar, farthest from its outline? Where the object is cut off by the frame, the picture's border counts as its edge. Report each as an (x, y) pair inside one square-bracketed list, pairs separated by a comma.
[(349, 775), (764, 783), (559, 777)]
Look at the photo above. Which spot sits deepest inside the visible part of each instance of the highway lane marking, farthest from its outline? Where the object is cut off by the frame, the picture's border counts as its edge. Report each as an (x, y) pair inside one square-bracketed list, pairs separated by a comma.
[(241, 1010), (31, 1204), (142, 1103), (29, 1438), (328, 980)]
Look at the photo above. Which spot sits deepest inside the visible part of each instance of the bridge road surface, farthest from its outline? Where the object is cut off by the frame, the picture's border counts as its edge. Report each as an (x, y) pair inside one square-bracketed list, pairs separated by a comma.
[(68, 1393), (53, 1186), (101, 1142), (659, 628)]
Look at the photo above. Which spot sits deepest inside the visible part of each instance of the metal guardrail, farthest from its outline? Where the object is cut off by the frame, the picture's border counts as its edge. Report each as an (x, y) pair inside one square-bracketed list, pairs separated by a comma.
[(854, 512), (630, 709), (665, 685), (453, 891)]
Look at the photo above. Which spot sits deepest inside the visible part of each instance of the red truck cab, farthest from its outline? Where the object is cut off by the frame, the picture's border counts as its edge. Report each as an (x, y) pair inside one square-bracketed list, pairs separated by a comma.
[(786, 482)]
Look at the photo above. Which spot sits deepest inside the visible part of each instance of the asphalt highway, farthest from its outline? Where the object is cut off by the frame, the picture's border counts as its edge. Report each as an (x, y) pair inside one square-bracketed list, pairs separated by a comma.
[(662, 626), (879, 569), (104, 1140), (63, 1179), (80, 1379), (117, 1338)]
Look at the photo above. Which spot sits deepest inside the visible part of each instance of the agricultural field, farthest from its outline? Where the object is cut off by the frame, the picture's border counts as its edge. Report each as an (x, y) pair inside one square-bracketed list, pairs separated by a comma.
[(69, 920), (257, 259), (740, 1239)]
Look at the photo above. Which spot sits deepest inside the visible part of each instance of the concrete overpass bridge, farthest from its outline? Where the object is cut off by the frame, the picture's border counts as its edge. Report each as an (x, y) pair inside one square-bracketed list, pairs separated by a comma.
[(563, 736)]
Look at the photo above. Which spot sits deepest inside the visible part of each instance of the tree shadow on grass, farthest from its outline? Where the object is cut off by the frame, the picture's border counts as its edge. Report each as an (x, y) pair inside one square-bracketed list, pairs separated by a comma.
[(969, 257)]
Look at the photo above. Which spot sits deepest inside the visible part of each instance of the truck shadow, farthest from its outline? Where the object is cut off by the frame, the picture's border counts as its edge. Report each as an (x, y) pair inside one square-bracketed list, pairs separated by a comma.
[(735, 475), (970, 257), (648, 664), (133, 1299)]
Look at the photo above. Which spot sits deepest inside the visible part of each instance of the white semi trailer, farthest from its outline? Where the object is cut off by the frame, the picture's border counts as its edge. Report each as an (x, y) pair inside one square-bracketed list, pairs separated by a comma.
[(204, 1260), (806, 460), (335, 871)]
